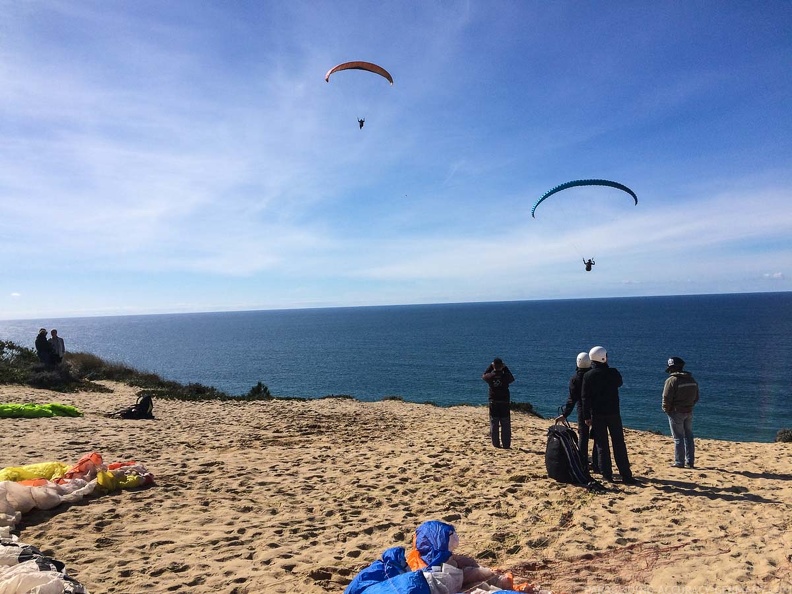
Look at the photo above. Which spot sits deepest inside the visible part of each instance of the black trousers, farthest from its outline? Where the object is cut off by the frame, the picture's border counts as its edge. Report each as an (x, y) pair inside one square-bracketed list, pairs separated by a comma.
[(601, 426)]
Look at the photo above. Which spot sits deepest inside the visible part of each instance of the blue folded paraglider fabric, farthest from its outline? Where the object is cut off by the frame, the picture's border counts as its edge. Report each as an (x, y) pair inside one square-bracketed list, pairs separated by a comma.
[(412, 582), (391, 565), (432, 540)]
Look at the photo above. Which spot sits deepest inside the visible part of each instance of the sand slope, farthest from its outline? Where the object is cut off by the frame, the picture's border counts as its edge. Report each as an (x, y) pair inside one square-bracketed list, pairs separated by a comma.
[(289, 496)]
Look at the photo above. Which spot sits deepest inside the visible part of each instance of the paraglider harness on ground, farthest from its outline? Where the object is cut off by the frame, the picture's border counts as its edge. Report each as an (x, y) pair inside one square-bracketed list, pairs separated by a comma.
[(142, 409), (562, 457)]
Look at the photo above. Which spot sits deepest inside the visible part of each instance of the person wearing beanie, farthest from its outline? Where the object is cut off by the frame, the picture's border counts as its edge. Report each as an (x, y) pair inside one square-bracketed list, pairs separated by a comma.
[(582, 365), (498, 378), (680, 395)]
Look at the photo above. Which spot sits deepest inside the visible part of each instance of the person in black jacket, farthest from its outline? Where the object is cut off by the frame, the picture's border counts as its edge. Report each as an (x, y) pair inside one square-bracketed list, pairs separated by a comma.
[(44, 348), (600, 397), (582, 364), (498, 378)]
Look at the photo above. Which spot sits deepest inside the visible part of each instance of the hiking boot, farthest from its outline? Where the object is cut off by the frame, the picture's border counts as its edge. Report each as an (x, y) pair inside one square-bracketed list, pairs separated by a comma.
[(677, 465), (689, 465), (630, 480)]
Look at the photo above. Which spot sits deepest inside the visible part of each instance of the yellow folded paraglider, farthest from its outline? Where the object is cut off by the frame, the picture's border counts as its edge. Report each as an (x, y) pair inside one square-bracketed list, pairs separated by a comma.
[(113, 482), (40, 470)]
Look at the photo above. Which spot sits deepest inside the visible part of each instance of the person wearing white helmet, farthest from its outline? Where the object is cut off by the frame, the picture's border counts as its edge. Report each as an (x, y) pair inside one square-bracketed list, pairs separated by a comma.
[(680, 395), (600, 397), (582, 365)]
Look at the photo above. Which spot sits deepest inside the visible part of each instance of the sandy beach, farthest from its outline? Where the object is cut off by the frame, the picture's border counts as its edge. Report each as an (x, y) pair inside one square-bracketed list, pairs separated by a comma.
[(288, 496)]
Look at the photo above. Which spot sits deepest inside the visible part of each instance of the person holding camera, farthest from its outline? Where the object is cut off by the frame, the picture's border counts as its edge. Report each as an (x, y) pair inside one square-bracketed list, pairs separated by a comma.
[(498, 378)]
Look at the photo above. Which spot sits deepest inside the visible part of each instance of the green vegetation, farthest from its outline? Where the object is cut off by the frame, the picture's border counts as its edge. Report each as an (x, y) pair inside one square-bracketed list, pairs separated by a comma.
[(16, 363), (525, 408), (82, 371), (784, 435)]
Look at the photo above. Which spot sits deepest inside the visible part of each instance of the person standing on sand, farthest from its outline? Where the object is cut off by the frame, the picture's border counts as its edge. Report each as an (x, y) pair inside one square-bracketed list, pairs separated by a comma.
[(58, 347), (582, 365), (680, 395), (600, 397), (44, 348), (498, 378)]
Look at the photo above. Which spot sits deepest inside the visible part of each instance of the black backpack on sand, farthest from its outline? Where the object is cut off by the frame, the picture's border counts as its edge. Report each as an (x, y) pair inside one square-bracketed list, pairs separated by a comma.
[(142, 409), (562, 457)]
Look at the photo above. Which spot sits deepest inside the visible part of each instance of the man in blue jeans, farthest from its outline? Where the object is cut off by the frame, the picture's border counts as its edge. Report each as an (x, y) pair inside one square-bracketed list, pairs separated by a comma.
[(680, 394), (498, 378)]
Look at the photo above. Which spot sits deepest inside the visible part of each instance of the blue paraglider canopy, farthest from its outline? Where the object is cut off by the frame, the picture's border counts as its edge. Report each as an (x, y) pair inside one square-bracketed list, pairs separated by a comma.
[(583, 182)]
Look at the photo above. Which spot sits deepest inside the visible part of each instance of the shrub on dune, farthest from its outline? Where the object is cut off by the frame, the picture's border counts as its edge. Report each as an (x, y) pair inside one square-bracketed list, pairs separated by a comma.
[(784, 435)]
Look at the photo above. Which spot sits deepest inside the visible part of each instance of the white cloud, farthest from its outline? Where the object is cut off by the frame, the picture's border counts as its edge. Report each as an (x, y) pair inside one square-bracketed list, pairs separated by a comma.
[(211, 149)]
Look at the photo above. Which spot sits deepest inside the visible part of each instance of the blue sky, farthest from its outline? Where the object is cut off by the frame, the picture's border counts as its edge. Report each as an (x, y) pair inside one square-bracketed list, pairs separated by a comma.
[(189, 156)]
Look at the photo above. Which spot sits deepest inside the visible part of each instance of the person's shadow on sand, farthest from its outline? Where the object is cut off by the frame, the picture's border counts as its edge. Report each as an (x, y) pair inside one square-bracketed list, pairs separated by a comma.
[(678, 487), (759, 475)]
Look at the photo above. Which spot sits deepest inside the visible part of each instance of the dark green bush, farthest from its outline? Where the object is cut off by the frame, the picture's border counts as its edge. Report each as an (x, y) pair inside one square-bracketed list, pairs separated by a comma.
[(524, 407), (16, 363), (93, 368), (259, 390), (20, 365), (52, 377), (784, 435)]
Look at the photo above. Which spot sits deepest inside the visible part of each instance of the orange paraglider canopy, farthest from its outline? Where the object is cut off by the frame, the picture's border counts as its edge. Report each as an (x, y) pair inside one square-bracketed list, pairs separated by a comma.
[(360, 66)]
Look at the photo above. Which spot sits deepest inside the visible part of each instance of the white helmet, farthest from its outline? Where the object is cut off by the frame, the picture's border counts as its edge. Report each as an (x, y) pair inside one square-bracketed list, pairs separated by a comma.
[(598, 354), (583, 361)]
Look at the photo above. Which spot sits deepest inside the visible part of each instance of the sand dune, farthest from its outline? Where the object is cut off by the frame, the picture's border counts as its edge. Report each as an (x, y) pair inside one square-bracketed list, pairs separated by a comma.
[(287, 496)]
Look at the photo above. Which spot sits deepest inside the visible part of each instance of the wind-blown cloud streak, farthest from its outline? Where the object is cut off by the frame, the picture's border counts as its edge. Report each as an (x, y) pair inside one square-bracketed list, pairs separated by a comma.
[(188, 160)]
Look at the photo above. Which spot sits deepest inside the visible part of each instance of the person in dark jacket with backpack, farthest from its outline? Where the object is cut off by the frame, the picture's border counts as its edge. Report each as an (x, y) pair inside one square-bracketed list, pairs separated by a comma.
[(582, 365), (600, 397), (680, 395), (498, 378)]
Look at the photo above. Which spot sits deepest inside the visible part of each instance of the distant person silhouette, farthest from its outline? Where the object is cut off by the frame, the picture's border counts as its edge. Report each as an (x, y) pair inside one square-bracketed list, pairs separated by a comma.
[(498, 378), (589, 263), (361, 121), (44, 348), (58, 347)]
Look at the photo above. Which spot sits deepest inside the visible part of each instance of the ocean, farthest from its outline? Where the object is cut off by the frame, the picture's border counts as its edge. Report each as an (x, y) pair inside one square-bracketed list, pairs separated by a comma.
[(739, 348)]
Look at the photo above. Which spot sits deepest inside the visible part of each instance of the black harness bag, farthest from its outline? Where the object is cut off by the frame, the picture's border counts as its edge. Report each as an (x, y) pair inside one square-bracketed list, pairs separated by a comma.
[(562, 457)]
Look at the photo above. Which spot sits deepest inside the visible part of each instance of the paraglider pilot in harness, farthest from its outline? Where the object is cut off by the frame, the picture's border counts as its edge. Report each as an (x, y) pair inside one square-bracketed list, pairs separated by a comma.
[(361, 121), (588, 264)]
